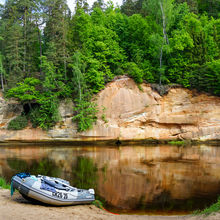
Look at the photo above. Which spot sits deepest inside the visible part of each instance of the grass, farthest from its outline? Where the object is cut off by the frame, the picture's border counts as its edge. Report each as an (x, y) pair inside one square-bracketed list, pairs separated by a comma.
[(140, 88), (4, 184), (104, 118), (98, 204), (209, 210), (179, 143)]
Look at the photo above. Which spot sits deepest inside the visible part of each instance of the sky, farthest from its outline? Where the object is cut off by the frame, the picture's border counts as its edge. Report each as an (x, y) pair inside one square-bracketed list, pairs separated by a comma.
[(71, 3)]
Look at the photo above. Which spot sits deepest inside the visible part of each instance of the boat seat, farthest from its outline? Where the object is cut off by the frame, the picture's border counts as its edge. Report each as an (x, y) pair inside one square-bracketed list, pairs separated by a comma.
[(55, 185)]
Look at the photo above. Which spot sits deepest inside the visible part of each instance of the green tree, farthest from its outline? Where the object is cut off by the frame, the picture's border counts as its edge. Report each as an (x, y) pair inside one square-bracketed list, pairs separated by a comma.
[(193, 5), (85, 110), (75, 55), (211, 7), (55, 34), (46, 114), (82, 4), (100, 48), (162, 12), (193, 44), (78, 79), (207, 77), (13, 54), (99, 4), (20, 32), (130, 7), (2, 71), (26, 91)]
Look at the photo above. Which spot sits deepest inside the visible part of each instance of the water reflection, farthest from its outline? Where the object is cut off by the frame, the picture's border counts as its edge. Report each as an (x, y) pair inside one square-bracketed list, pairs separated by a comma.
[(132, 177), (84, 173), (44, 166)]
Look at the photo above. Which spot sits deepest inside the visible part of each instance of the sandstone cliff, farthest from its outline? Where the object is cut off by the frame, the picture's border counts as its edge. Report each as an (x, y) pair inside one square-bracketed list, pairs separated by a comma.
[(130, 114)]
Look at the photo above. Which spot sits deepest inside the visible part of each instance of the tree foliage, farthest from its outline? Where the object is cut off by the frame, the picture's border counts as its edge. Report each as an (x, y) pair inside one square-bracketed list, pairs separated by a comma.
[(25, 91), (18, 123), (48, 53)]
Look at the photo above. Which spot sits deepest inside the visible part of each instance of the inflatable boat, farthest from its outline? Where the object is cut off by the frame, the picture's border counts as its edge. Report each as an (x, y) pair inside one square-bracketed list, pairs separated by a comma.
[(50, 190)]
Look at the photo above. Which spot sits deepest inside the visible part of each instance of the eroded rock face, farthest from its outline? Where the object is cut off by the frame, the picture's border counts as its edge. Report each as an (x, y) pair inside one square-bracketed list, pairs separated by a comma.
[(135, 114), (127, 113), (8, 111)]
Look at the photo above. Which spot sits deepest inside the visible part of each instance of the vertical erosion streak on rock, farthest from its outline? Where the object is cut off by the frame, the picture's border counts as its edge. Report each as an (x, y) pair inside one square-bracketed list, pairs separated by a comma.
[(181, 114)]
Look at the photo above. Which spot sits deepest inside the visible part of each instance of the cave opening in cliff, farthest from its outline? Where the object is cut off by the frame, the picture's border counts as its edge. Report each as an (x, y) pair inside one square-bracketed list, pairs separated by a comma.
[(29, 106)]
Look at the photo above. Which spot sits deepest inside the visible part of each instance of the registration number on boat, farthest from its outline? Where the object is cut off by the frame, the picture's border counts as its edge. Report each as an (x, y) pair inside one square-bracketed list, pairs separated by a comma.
[(60, 195)]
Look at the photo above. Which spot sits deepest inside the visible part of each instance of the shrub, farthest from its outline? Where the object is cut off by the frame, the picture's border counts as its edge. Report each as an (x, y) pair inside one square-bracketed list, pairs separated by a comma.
[(207, 78), (179, 143), (209, 210), (3, 184), (85, 114), (46, 114), (135, 72), (34, 116), (18, 123)]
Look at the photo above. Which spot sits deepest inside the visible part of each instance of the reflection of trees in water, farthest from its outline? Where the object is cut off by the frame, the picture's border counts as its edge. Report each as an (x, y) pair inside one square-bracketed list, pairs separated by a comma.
[(44, 166), (84, 173)]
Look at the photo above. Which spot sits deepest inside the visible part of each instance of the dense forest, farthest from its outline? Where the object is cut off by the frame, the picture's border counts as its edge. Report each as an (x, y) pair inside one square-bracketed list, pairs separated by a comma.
[(48, 53)]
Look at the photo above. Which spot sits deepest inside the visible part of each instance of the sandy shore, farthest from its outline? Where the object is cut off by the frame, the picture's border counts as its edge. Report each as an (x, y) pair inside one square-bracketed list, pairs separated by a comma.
[(17, 208)]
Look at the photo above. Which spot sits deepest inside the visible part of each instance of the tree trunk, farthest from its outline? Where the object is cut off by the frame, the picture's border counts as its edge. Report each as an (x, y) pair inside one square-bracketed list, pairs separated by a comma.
[(166, 40), (2, 81), (25, 41), (79, 87), (161, 58), (64, 47), (1, 72), (40, 45), (164, 23)]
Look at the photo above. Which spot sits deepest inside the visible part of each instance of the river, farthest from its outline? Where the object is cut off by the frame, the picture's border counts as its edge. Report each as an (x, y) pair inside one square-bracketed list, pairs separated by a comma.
[(130, 179)]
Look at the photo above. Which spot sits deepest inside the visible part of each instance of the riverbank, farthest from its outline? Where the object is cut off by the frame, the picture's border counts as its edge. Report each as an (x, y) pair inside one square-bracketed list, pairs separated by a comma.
[(17, 208), (111, 142)]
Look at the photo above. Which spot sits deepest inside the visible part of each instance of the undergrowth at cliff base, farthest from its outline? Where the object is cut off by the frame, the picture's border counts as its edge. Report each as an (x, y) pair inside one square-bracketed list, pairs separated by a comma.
[(179, 143), (98, 204), (4, 184), (209, 210), (85, 114), (18, 123)]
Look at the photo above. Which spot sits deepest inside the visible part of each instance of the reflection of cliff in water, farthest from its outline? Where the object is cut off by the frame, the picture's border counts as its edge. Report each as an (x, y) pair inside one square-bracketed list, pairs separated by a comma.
[(134, 177)]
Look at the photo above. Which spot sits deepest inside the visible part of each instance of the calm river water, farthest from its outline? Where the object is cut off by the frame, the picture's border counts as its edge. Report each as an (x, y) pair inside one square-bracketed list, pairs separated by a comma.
[(129, 178)]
